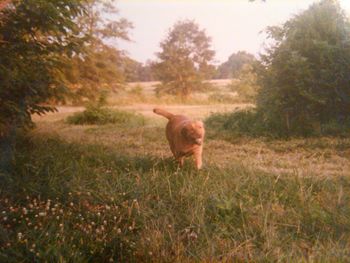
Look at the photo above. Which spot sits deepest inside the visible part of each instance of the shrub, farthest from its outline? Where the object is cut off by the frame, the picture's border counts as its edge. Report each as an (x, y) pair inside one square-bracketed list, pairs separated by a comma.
[(102, 115), (254, 123)]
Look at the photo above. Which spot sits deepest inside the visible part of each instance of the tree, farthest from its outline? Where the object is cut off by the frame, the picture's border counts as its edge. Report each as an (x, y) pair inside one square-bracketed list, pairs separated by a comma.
[(184, 61), (102, 65), (246, 83), (234, 64), (35, 35), (305, 75)]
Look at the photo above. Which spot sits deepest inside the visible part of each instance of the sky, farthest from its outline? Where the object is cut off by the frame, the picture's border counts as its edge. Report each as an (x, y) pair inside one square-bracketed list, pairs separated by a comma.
[(233, 25)]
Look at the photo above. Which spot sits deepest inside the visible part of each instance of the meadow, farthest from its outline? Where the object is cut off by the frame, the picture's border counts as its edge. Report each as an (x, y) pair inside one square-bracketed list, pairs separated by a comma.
[(113, 193)]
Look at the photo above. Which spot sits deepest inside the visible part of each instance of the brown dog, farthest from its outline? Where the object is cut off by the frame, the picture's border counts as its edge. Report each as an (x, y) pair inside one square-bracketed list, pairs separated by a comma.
[(185, 136)]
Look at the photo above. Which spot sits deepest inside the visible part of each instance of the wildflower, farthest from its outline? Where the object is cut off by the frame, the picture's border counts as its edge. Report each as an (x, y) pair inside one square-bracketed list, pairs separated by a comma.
[(104, 222), (19, 235), (3, 212), (98, 213), (42, 214), (71, 204), (119, 231), (25, 211), (108, 207), (5, 218)]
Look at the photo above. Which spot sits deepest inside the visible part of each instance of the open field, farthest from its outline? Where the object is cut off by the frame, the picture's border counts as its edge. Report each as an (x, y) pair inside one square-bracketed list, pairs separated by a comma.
[(322, 156), (113, 193), (218, 92)]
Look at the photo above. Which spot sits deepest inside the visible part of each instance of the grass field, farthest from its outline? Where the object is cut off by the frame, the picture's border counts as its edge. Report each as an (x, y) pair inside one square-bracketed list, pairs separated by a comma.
[(104, 193)]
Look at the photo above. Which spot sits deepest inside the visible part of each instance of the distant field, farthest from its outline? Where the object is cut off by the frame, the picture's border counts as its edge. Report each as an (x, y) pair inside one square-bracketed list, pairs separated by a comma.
[(144, 92)]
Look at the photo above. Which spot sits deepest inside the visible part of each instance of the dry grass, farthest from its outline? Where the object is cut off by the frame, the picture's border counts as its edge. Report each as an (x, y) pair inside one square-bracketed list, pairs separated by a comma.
[(321, 156), (144, 93)]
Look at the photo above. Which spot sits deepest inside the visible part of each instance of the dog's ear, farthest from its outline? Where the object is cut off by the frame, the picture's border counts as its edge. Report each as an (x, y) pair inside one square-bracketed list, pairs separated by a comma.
[(186, 129)]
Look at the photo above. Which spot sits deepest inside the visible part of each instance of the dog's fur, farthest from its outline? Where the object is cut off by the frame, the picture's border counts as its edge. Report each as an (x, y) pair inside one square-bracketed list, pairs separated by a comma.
[(185, 137)]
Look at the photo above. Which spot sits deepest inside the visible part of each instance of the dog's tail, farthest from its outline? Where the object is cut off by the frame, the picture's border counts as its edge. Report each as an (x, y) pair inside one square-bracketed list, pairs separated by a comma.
[(164, 113)]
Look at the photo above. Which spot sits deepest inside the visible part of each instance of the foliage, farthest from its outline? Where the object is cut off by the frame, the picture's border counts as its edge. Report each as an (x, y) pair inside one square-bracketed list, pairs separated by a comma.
[(246, 83), (137, 72), (102, 66), (304, 76), (232, 67), (253, 123), (185, 59), (96, 114), (35, 36), (87, 203), (240, 123)]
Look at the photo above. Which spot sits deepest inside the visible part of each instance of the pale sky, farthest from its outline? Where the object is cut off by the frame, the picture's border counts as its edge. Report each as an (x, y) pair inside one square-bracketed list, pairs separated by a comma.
[(233, 25)]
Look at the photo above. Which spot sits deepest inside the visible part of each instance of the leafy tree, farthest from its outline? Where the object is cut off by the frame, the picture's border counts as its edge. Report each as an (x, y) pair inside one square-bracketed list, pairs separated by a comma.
[(185, 59), (234, 64), (102, 65), (305, 76), (246, 83), (35, 36)]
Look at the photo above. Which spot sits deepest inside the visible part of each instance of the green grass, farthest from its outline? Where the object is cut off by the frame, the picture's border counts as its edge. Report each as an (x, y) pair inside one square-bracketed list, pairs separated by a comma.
[(77, 203), (103, 115)]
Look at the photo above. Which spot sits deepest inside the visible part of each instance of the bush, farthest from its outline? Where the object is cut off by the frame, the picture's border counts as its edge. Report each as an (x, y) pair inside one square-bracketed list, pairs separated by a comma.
[(102, 115), (254, 123)]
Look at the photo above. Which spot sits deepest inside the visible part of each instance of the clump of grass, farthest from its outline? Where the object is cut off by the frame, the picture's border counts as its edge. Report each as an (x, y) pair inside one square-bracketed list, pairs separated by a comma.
[(162, 213), (103, 115)]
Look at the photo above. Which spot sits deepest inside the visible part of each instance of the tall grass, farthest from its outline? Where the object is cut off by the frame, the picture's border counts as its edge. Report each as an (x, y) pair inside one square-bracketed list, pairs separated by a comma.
[(74, 202)]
